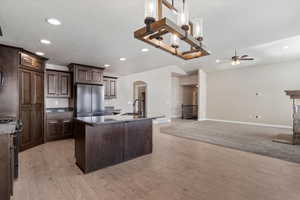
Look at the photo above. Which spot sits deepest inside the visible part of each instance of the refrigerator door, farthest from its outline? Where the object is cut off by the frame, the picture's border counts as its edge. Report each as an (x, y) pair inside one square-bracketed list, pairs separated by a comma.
[(97, 99), (83, 100)]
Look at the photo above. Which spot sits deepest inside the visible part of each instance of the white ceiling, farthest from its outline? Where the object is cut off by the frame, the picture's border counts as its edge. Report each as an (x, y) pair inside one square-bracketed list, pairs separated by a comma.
[(98, 32)]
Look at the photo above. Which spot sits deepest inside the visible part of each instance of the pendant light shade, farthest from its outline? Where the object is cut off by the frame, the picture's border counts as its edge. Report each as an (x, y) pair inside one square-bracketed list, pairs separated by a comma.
[(198, 28), (150, 9), (184, 14)]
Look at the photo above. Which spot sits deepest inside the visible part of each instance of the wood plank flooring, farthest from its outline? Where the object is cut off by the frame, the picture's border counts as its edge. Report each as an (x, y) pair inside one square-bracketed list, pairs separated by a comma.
[(178, 169)]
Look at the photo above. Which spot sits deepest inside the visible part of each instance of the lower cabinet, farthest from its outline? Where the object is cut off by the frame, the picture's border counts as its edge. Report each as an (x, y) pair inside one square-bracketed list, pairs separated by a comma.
[(138, 139), (59, 126), (102, 145), (6, 166)]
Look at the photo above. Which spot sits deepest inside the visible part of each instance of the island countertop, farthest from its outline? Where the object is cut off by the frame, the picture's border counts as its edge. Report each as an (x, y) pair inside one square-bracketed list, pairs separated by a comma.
[(99, 120)]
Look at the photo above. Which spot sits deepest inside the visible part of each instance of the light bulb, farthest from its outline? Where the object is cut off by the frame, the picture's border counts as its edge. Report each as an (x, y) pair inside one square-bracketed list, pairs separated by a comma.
[(174, 41)]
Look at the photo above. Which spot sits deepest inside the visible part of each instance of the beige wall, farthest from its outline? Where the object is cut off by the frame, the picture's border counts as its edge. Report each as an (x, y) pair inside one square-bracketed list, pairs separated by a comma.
[(242, 94), (159, 90)]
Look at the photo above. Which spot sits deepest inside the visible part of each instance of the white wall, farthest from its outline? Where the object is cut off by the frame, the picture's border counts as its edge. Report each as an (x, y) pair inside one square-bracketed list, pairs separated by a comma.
[(202, 92), (231, 94), (159, 90), (177, 97)]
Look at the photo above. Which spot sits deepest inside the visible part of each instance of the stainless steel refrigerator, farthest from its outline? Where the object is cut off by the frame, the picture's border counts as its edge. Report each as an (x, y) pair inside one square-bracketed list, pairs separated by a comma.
[(89, 100)]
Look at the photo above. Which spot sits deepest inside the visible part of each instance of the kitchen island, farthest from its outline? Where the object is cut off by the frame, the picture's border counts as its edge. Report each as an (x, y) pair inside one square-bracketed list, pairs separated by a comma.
[(104, 141)]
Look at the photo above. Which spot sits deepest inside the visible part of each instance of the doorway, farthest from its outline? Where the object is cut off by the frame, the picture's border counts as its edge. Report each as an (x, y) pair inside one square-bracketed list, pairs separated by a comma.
[(140, 98)]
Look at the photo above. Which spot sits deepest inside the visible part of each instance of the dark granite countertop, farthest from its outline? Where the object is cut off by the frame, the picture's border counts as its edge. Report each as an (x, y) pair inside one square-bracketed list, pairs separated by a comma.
[(58, 110), (7, 128), (99, 120)]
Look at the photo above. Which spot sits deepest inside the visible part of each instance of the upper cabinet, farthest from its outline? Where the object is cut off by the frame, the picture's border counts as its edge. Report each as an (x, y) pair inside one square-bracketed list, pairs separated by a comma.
[(87, 74), (30, 62), (58, 84), (110, 85)]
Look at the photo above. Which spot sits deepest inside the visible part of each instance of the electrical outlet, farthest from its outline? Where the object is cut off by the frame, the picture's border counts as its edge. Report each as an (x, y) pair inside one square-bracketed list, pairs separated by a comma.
[(257, 116)]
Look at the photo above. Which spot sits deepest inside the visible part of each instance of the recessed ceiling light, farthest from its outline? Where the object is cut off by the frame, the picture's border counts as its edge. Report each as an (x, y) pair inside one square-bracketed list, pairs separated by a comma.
[(44, 41), (39, 53), (145, 50), (122, 59), (53, 21), (106, 65), (218, 61), (286, 47)]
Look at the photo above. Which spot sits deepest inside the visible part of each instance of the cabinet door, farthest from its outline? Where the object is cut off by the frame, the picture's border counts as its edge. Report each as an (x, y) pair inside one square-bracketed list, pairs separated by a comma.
[(37, 125), (106, 88), (52, 83), (65, 84), (31, 107), (67, 128), (138, 139), (25, 87), (31, 62), (113, 88), (104, 146), (88, 75), (83, 75), (54, 130), (26, 118), (37, 88), (97, 76)]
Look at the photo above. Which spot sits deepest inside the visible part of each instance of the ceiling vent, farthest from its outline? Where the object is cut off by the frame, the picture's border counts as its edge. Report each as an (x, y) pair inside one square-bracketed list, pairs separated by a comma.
[(1, 34)]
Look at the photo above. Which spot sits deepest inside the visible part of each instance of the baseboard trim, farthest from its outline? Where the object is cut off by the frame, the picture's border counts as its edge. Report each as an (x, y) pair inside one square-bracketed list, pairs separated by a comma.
[(248, 123)]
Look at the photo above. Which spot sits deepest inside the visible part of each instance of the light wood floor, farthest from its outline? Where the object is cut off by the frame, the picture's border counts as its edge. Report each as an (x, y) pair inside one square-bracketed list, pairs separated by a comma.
[(179, 169)]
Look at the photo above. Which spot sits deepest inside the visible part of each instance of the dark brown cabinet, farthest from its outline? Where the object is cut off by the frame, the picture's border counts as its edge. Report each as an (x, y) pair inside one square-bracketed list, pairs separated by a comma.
[(87, 74), (59, 126), (31, 107), (31, 62), (58, 84), (6, 166), (110, 85), (101, 145), (138, 139)]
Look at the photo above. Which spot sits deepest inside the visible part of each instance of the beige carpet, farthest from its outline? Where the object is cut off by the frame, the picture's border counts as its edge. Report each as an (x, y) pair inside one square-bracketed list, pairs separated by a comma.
[(255, 139)]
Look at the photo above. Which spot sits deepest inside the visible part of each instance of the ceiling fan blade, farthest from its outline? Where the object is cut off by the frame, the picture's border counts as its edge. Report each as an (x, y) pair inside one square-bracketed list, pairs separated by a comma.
[(244, 56), (247, 59)]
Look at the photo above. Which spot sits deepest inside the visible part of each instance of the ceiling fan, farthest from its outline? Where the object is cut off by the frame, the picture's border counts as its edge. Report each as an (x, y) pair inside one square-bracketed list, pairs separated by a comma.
[(236, 60)]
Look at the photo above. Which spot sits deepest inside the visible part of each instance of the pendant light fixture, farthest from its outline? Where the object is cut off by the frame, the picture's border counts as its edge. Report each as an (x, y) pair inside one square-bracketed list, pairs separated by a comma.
[(150, 13), (184, 15), (198, 29), (183, 30)]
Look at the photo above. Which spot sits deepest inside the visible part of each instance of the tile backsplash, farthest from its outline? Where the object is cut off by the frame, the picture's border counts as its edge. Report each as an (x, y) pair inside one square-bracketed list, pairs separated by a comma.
[(57, 103)]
